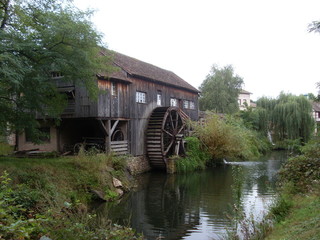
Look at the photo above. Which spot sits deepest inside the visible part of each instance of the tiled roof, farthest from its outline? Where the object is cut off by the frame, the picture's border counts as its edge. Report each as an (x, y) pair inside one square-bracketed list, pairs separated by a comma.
[(316, 106), (139, 69), (244, 91)]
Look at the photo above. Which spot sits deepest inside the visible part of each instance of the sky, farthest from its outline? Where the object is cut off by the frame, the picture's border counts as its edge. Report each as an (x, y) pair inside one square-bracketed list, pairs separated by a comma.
[(266, 41)]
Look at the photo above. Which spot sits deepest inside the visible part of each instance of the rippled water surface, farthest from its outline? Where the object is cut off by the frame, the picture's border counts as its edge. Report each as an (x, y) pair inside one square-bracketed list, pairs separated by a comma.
[(197, 205)]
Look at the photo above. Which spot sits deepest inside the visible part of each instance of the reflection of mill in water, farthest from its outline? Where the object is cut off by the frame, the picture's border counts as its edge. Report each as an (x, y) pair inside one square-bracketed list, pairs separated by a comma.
[(169, 220)]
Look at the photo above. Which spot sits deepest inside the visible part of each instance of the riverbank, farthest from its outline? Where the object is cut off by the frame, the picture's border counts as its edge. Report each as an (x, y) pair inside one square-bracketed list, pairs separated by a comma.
[(302, 221), (296, 213), (50, 196)]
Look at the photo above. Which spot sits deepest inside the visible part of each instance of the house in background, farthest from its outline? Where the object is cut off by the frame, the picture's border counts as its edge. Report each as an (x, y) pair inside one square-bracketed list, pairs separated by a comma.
[(316, 114), (244, 99), (140, 111)]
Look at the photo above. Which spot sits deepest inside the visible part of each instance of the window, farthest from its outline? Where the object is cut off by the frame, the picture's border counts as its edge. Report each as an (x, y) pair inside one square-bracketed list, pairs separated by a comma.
[(56, 75), (173, 102), (159, 98), (192, 105), (140, 97), (185, 104), (114, 89)]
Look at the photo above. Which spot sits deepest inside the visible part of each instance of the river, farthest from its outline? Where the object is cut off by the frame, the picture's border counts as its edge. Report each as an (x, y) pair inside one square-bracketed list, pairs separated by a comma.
[(197, 205)]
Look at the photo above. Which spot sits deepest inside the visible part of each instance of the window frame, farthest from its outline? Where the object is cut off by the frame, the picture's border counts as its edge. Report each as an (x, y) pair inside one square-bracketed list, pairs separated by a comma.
[(159, 98), (141, 97), (173, 102), (114, 89), (192, 105)]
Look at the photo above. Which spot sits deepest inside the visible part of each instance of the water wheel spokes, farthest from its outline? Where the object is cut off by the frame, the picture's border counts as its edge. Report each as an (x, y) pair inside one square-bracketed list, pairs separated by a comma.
[(165, 133)]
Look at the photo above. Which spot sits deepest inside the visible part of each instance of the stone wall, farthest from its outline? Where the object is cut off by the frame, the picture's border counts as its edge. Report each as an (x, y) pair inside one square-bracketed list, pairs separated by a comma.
[(137, 165)]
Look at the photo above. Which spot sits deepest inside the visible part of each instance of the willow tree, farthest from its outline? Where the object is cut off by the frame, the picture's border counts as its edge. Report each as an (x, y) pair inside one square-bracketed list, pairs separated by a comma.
[(287, 117), (39, 38)]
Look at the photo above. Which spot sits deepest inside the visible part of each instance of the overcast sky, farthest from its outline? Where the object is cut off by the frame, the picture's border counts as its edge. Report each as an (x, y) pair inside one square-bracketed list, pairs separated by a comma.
[(267, 42)]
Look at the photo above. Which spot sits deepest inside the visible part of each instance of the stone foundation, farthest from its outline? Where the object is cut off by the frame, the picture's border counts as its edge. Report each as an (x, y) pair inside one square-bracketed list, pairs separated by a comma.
[(137, 165)]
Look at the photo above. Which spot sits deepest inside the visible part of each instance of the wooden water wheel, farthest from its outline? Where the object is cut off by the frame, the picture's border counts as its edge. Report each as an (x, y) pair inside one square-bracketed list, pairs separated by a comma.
[(165, 132)]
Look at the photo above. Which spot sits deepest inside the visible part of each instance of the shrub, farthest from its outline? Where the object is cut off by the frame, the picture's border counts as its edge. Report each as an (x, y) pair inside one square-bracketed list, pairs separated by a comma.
[(227, 137), (16, 221), (196, 157)]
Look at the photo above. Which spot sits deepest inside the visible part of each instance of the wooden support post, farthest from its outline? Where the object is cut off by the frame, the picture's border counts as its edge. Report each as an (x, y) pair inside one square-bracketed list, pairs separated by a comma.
[(108, 135)]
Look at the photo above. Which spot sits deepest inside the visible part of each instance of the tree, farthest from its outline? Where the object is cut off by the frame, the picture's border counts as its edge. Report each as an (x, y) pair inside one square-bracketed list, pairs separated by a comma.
[(39, 38), (220, 90), (288, 117)]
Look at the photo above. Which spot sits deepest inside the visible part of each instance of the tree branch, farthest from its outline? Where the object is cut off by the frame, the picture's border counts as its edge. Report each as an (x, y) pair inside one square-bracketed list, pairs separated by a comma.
[(6, 4)]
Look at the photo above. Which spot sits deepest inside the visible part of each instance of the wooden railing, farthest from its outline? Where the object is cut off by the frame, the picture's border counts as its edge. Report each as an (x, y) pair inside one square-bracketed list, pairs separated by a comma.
[(119, 147)]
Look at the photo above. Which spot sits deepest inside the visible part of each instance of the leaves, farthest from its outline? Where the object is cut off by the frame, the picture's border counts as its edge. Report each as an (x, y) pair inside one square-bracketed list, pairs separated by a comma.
[(220, 90), (287, 117), (37, 38)]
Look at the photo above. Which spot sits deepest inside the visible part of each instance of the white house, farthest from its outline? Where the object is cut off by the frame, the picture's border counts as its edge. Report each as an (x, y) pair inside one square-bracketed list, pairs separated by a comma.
[(316, 114), (244, 99)]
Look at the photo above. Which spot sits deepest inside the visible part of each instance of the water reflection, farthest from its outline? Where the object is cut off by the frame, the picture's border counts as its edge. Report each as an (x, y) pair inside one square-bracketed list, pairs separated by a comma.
[(195, 205)]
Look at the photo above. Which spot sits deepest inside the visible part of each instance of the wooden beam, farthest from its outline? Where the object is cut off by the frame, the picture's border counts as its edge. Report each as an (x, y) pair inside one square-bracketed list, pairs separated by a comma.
[(114, 127), (104, 128)]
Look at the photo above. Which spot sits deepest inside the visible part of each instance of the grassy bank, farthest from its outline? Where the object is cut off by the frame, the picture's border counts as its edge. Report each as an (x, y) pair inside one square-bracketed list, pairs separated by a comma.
[(50, 196), (302, 221)]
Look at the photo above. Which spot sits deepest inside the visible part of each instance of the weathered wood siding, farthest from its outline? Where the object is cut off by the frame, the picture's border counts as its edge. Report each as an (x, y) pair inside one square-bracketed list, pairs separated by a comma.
[(140, 112), (123, 105), (113, 106)]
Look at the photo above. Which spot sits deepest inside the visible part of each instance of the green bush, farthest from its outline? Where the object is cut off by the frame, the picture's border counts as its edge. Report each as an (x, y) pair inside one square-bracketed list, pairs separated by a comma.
[(303, 171), (16, 222), (196, 157), (228, 137)]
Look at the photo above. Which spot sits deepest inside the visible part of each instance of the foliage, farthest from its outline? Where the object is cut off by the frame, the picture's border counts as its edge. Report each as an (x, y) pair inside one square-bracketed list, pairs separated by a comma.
[(227, 137), (16, 222), (300, 174), (280, 209), (287, 117), (303, 171), (314, 26), (49, 198), (5, 148), (220, 90), (196, 157), (37, 39)]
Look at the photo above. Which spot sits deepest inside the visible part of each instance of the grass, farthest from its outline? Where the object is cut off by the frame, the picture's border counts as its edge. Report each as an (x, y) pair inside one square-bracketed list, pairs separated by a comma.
[(70, 177), (303, 222), (5, 149), (59, 189)]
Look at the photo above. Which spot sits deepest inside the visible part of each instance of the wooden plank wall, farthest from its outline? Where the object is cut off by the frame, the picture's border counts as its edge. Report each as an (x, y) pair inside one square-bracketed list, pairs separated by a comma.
[(123, 106), (140, 112)]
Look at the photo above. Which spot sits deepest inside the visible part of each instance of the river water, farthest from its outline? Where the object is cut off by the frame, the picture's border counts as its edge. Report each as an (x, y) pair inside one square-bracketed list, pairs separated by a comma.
[(197, 205)]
